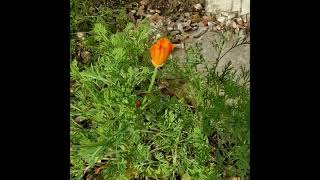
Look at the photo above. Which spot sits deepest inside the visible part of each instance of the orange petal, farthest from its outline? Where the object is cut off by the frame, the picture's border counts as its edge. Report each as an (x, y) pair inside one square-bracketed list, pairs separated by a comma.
[(160, 52)]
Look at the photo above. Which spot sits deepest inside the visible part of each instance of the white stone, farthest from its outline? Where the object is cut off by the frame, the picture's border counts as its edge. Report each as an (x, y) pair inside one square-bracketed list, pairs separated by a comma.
[(210, 25), (231, 15), (187, 23), (180, 27), (241, 6), (80, 34), (239, 20), (234, 25), (222, 19), (218, 27), (198, 6), (187, 14), (228, 23), (200, 24), (169, 28), (224, 13)]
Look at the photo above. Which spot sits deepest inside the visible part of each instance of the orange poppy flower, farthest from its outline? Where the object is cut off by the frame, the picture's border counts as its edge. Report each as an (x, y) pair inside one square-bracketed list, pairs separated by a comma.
[(160, 52)]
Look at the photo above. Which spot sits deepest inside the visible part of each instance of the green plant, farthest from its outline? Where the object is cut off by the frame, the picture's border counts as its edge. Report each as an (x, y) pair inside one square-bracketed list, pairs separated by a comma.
[(87, 15), (195, 125), (84, 14)]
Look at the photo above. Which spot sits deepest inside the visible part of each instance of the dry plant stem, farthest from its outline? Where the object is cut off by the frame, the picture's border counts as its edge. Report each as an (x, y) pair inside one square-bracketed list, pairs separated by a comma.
[(236, 44), (150, 86)]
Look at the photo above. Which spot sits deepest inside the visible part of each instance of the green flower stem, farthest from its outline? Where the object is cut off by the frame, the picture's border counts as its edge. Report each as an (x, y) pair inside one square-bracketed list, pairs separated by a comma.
[(150, 86)]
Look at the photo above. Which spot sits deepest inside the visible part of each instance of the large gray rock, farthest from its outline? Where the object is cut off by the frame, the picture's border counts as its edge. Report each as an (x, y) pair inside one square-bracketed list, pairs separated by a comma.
[(239, 56)]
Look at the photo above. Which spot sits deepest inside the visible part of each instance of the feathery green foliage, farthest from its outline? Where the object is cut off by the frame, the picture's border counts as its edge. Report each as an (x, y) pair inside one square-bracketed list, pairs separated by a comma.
[(194, 133)]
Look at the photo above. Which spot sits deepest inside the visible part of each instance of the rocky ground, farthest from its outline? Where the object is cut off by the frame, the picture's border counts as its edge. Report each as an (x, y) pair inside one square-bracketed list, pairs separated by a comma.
[(187, 23)]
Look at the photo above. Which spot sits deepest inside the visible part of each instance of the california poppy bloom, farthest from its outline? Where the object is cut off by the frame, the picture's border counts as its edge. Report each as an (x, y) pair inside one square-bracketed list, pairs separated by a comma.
[(160, 52)]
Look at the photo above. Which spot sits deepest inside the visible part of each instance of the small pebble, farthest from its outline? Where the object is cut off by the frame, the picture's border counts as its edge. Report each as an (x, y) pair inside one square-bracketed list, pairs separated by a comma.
[(200, 31), (144, 2), (205, 22), (187, 23), (210, 25), (239, 20), (234, 25), (228, 23), (207, 18), (187, 28), (197, 7), (86, 56), (222, 19), (194, 24), (218, 27), (180, 27), (80, 35), (173, 33), (179, 46), (201, 24), (195, 18), (169, 28)]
